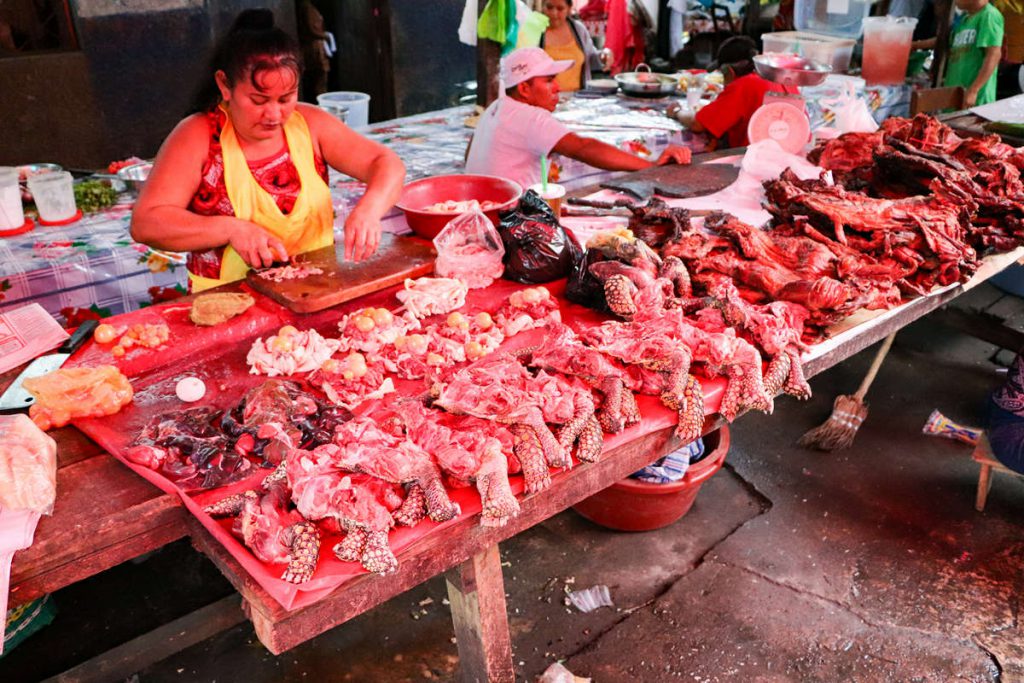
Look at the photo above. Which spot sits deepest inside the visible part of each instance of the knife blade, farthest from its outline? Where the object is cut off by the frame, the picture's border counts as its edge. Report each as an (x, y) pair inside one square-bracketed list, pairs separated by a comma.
[(17, 397)]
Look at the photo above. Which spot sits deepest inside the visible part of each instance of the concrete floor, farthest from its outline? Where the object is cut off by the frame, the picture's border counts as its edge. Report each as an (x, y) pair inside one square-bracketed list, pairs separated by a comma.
[(866, 565)]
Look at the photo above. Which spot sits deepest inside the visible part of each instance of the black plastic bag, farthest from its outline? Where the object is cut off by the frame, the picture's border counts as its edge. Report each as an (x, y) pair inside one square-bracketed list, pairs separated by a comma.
[(583, 288), (537, 248)]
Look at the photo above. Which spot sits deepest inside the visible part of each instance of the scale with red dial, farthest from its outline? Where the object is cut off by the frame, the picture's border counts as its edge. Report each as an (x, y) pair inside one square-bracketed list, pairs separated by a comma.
[(783, 117)]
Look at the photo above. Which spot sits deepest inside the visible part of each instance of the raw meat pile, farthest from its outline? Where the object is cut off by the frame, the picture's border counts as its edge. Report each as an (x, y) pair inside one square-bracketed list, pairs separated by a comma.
[(353, 457), (428, 296), (290, 272), (69, 393), (453, 206), (922, 156)]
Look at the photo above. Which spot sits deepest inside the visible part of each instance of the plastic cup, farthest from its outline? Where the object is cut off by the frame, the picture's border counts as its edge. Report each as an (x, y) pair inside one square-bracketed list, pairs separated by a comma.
[(54, 196), (887, 49), (553, 196), (357, 103), (337, 111), (12, 214), (693, 94)]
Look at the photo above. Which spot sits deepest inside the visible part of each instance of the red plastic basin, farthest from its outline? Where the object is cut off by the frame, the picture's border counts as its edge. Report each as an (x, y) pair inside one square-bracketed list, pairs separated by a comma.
[(425, 192), (634, 505)]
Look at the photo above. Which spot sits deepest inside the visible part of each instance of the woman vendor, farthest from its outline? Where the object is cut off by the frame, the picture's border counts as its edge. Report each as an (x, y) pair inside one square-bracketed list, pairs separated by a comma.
[(566, 38), (243, 181)]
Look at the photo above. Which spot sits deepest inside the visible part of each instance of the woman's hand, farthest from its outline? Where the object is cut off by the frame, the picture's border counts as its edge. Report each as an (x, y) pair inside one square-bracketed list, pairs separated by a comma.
[(607, 58), (362, 235), (256, 246)]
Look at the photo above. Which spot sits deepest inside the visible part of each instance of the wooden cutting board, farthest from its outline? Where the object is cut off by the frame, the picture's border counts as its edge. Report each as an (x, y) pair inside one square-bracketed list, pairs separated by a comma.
[(676, 181), (397, 258)]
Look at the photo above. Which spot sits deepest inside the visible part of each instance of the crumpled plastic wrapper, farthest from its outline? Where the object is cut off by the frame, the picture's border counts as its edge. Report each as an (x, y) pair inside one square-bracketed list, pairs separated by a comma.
[(591, 599), (28, 465)]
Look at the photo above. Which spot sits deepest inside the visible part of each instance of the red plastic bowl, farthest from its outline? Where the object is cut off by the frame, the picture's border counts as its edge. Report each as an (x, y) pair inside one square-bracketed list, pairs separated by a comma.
[(634, 505), (425, 192)]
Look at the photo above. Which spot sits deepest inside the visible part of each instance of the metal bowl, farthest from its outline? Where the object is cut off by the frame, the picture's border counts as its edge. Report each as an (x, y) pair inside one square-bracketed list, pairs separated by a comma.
[(789, 69), (28, 170), (420, 194), (134, 176), (645, 83)]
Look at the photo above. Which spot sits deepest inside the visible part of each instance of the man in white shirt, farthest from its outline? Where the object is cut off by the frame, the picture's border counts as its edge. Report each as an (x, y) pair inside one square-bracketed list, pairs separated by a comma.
[(514, 132)]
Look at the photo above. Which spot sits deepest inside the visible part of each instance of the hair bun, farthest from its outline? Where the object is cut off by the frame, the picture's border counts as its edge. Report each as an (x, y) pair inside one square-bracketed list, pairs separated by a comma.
[(254, 20)]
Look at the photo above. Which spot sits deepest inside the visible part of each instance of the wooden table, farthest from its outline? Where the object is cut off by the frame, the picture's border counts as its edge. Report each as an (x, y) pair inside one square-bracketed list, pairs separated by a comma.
[(105, 514)]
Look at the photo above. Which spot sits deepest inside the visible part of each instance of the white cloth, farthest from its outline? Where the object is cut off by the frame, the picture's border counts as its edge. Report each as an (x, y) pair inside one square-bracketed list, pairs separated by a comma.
[(510, 139), (467, 27)]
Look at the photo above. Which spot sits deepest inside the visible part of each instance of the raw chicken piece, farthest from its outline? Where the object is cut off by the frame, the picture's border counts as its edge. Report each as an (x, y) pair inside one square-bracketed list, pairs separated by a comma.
[(527, 309), (28, 466), (371, 330), (69, 393), (219, 307), (289, 352), (428, 296), (350, 381)]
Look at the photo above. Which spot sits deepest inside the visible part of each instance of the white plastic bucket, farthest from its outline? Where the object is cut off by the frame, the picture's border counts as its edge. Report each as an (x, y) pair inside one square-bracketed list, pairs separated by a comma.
[(357, 104), (54, 196), (12, 214)]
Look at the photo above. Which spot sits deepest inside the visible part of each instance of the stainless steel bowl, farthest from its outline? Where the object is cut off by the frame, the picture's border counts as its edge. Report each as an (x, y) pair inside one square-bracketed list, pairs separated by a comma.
[(25, 171), (789, 69), (134, 176), (641, 83)]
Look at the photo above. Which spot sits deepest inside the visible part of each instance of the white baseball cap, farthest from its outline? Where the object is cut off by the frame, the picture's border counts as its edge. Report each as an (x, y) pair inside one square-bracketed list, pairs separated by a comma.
[(525, 63)]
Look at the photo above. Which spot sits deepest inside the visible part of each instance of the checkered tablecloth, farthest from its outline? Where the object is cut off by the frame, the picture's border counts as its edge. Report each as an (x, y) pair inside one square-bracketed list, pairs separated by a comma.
[(92, 268)]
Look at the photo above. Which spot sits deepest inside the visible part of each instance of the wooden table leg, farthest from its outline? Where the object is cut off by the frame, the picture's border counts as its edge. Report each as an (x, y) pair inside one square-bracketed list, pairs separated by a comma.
[(476, 591)]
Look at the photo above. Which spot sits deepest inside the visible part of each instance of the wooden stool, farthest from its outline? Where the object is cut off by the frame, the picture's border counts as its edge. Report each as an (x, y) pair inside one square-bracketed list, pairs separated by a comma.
[(983, 456)]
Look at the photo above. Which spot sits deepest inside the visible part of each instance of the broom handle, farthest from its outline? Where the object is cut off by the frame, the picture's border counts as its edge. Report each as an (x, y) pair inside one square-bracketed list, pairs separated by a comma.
[(875, 365)]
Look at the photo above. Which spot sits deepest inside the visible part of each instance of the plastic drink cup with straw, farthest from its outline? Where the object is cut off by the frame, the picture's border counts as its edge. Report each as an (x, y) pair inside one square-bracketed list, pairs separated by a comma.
[(552, 193)]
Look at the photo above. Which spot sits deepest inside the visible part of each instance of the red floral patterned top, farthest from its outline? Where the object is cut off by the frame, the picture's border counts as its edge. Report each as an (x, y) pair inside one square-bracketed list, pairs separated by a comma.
[(277, 175)]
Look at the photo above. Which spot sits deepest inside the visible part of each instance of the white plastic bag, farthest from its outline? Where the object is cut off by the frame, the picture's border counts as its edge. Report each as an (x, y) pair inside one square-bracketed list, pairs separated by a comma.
[(851, 112), (470, 249)]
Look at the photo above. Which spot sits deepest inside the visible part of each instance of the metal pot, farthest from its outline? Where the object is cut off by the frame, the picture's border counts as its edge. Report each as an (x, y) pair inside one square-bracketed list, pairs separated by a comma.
[(644, 83)]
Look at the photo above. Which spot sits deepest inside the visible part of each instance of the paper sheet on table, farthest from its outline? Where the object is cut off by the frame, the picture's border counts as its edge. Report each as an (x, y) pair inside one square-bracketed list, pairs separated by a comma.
[(25, 333), (1010, 110), (762, 161)]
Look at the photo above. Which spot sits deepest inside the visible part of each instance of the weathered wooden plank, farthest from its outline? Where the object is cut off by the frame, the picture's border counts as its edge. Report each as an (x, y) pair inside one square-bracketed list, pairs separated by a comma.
[(51, 578), (476, 591), (122, 661), (104, 514), (280, 630)]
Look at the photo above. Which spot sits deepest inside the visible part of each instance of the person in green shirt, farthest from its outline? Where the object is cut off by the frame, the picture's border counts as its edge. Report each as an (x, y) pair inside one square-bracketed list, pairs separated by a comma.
[(975, 46)]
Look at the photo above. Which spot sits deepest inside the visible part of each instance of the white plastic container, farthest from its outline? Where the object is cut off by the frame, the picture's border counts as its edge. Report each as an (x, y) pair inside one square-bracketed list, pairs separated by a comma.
[(12, 213), (54, 196), (840, 18), (357, 103), (836, 52)]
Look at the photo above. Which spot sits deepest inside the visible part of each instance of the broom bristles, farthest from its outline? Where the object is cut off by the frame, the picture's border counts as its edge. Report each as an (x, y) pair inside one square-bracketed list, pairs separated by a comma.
[(839, 430)]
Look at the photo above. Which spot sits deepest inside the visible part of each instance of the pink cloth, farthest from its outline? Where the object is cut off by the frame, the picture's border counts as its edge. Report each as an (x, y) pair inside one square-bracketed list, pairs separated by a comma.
[(17, 527)]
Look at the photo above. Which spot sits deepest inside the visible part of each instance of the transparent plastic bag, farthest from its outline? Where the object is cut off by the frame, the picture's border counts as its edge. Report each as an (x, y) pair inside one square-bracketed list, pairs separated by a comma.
[(470, 249)]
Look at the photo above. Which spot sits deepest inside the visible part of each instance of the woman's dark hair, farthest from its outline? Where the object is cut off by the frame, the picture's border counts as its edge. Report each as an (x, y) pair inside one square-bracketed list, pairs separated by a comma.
[(252, 45)]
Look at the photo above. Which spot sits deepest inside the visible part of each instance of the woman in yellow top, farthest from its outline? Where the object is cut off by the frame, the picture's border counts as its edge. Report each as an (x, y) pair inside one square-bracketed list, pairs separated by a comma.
[(567, 38), (243, 181)]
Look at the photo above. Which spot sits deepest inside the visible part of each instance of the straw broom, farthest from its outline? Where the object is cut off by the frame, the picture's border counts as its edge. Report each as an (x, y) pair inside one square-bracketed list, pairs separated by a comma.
[(848, 412)]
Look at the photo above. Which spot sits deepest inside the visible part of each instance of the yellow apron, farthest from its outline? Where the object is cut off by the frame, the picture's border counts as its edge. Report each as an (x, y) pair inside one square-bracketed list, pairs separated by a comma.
[(570, 79), (309, 225)]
